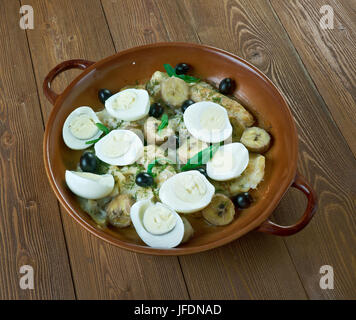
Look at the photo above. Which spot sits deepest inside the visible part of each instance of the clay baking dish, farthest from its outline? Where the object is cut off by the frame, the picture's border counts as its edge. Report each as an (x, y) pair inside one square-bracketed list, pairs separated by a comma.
[(254, 90)]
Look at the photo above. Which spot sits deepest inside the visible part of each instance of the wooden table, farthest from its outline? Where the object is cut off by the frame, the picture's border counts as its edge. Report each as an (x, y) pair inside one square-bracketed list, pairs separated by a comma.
[(316, 70)]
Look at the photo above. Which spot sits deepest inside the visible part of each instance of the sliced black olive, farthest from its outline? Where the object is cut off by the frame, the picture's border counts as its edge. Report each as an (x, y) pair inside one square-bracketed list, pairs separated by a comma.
[(243, 200), (104, 94), (156, 110), (202, 170), (227, 86), (88, 162), (182, 68), (186, 104), (143, 179)]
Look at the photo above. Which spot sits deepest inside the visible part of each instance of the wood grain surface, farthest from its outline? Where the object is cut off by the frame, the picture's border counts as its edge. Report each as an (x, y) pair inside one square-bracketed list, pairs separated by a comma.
[(315, 69), (99, 269), (329, 55), (251, 30), (31, 230), (215, 278)]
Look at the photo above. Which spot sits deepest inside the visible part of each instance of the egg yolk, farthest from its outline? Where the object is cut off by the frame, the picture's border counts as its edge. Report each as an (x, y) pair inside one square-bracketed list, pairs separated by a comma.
[(223, 161), (190, 188), (83, 127), (213, 119), (116, 145), (124, 101), (158, 219)]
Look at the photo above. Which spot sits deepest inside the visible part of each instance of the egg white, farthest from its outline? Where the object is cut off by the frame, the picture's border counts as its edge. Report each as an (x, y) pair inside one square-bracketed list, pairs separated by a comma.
[(136, 110), (169, 197), (193, 116), (69, 139), (89, 185), (235, 160), (168, 240), (134, 152)]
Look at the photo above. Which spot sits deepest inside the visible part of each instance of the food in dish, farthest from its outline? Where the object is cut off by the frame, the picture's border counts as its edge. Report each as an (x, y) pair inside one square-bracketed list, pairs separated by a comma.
[(80, 129), (220, 211), (228, 162), (129, 104), (157, 225), (119, 147), (187, 192), (207, 121), (164, 152), (89, 185), (256, 139)]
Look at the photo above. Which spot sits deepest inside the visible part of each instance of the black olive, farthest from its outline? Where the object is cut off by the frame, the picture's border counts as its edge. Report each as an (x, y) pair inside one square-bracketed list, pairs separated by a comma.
[(186, 104), (227, 86), (88, 162), (182, 68), (243, 200), (104, 94), (143, 179), (156, 110), (202, 170)]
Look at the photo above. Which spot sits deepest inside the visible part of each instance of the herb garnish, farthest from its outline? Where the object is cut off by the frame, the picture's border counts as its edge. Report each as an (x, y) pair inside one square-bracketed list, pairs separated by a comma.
[(164, 122), (202, 157), (171, 72), (154, 163), (101, 167), (217, 99), (102, 128)]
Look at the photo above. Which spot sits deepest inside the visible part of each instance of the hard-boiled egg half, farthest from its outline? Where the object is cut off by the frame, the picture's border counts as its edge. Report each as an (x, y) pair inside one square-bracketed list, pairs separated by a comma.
[(228, 162), (129, 104), (119, 147), (158, 225), (187, 192), (89, 185), (80, 127), (207, 121)]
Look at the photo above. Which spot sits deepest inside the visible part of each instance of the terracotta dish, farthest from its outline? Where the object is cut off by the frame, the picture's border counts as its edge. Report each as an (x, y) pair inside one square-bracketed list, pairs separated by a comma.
[(254, 90)]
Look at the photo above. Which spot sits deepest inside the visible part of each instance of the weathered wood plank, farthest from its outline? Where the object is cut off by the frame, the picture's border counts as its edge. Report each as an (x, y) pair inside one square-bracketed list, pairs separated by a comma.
[(251, 30), (30, 225), (77, 29), (329, 55), (245, 269)]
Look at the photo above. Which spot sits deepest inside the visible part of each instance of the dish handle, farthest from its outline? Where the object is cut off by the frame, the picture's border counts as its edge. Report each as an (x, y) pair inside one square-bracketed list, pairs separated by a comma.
[(272, 228), (65, 65)]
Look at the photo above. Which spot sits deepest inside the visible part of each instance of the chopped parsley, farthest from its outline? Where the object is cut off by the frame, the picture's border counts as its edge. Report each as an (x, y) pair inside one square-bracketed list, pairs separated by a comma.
[(216, 99)]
